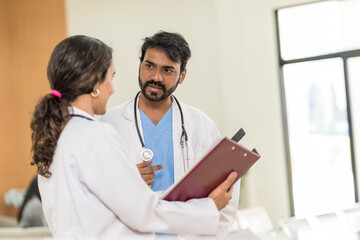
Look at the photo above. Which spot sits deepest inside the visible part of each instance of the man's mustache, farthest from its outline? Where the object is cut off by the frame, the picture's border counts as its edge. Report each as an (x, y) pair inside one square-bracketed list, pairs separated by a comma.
[(153, 82)]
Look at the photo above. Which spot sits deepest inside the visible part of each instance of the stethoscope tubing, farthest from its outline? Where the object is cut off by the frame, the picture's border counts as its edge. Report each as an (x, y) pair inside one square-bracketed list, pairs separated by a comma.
[(136, 120), (183, 133)]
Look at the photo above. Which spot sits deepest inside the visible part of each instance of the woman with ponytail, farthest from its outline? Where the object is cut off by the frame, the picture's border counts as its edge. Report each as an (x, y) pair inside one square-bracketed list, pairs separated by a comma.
[(88, 186)]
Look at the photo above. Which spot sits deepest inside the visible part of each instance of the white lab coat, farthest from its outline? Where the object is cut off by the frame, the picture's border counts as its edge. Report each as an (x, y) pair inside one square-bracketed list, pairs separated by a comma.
[(95, 191), (202, 134)]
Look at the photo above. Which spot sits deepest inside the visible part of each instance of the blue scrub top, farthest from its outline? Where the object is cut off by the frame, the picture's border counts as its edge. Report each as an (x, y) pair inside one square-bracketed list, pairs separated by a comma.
[(159, 138)]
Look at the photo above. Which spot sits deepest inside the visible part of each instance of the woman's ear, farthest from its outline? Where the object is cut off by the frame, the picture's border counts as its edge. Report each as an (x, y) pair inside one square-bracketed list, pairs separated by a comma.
[(96, 91)]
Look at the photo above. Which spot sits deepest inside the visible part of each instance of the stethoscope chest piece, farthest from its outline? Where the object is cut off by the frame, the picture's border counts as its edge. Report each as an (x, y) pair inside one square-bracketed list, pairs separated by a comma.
[(146, 155)]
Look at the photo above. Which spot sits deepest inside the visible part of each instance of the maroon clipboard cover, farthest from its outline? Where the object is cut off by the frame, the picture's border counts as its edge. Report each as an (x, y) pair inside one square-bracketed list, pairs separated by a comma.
[(227, 156)]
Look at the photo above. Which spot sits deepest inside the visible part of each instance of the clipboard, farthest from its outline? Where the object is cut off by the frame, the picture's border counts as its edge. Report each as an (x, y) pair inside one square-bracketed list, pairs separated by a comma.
[(227, 156)]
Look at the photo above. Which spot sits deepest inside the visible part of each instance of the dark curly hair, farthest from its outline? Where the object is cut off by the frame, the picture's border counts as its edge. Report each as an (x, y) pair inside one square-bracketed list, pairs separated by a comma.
[(75, 66), (173, 45)]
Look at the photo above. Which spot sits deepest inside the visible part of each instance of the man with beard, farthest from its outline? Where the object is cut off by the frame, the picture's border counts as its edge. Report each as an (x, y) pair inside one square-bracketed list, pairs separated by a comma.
[(177, 134)]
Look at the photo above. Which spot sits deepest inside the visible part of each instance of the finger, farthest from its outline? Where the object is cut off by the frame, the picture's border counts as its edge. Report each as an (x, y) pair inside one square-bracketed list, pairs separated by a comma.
[(152, 169), (148, 176), (150, 181), (229, 180), (145, 171), (144, 164), (157, 167), (230, 191), (150, 186)]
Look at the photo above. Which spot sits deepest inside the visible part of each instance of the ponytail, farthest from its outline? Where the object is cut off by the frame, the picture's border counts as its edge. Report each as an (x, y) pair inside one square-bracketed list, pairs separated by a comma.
[(49, 119), (76, 65)]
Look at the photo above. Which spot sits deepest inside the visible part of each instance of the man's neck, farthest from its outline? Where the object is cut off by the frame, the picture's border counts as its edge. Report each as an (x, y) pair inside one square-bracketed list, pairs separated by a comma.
[(154, 110)]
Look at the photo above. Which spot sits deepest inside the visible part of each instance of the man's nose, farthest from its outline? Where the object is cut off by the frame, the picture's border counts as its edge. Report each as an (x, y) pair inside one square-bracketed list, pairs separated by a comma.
[(157, 76)]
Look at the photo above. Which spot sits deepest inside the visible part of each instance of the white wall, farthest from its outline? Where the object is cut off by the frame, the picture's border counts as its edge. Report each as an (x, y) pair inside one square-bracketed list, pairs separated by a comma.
[(232, 75), (123, 25)]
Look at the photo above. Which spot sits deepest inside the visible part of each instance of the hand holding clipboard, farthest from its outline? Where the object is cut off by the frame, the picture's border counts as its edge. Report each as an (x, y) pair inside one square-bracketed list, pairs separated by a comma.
[(227, 156)]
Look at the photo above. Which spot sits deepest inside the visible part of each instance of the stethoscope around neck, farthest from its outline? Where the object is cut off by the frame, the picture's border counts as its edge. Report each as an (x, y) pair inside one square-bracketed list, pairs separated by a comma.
[(147, 154)]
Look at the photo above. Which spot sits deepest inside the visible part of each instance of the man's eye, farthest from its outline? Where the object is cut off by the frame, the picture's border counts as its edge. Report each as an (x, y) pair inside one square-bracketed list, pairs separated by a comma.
[(148, 65), (168, 70)]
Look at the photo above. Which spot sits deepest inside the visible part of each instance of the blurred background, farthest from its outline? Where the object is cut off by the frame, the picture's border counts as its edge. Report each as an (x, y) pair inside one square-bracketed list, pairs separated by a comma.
[(287, 71)]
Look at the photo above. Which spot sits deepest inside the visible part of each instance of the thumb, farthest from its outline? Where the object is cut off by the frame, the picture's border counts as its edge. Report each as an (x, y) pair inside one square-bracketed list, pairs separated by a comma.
[(144, 164), (229, 180)]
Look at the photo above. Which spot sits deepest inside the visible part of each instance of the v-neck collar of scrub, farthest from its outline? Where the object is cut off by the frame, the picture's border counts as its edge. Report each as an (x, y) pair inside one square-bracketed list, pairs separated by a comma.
[(155, 133), (162, 121)]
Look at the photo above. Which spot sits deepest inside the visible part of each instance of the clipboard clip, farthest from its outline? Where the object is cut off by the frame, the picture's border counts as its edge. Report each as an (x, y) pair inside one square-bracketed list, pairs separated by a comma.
[(239, 135)]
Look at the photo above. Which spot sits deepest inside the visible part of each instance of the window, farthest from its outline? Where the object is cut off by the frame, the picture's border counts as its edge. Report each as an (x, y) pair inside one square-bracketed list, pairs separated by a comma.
[(319, 28), (320, 73)]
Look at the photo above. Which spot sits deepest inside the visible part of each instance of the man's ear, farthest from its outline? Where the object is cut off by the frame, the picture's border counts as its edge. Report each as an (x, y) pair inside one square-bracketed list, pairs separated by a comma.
[(182, 76)]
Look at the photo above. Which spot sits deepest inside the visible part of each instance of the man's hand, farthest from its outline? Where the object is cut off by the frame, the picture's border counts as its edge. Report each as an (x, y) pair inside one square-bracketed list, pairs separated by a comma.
[(148, 173)]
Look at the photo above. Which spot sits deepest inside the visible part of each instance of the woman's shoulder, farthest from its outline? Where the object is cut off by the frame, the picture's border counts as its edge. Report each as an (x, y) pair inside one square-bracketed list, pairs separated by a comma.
[(86, 130)]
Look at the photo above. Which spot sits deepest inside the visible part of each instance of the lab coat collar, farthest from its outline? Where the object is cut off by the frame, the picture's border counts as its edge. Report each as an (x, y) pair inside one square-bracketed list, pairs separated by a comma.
[(128, 110), (75, 110)]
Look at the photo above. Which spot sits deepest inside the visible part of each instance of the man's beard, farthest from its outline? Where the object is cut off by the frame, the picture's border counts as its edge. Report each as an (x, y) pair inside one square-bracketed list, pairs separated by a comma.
[(155, 97)]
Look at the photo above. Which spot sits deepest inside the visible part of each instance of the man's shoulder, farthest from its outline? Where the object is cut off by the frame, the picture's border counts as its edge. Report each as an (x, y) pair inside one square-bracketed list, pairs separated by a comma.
[(117, 109), (194, 113), (200, 122)]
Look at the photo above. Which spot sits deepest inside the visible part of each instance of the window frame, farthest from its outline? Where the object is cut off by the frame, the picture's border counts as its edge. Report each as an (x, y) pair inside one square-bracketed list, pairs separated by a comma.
[(344, 55)]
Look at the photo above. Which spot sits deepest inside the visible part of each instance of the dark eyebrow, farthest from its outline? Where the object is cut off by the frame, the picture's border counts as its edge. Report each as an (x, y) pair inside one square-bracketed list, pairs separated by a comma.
[(171, 67), (148, 61)]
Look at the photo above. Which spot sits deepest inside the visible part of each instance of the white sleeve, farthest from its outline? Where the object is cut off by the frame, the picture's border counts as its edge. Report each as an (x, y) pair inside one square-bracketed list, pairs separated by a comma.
[(118, 184), (227, 214)]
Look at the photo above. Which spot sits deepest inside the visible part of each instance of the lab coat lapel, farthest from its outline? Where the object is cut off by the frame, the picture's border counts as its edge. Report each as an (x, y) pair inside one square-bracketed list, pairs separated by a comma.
[(177, 130), (189, 127)]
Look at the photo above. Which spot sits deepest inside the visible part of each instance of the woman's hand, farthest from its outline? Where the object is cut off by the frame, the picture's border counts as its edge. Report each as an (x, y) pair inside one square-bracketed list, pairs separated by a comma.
[(221, 195)]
